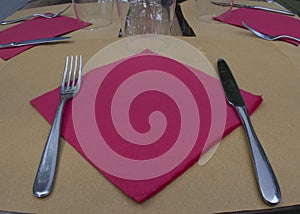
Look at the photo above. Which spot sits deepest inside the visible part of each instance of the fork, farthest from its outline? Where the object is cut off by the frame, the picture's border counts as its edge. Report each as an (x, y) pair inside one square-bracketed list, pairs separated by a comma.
[(69, 88), (44, 15), (269, 37)]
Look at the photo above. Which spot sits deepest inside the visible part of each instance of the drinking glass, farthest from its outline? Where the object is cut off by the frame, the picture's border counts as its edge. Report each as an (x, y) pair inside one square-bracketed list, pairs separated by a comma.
[(122, 10), (140, 17), (98, 12), (146, 21)]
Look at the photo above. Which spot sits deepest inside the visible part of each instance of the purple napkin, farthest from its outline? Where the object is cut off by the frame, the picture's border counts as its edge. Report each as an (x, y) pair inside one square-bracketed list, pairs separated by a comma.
[(143, 121), (263, 21), (34, 29)]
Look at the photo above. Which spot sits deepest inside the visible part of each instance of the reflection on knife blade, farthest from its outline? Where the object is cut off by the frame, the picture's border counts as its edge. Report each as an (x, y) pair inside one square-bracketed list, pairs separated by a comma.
[(253, 7), (35, 41)]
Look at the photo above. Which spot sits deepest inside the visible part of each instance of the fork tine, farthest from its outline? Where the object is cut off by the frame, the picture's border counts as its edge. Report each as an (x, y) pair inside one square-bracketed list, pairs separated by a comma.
[(65, 73), (70, 72), (79, 73), (74, 73)]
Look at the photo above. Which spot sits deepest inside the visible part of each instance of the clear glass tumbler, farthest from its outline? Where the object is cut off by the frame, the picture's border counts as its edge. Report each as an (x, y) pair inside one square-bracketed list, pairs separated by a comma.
[(146, 16), (98, 12)]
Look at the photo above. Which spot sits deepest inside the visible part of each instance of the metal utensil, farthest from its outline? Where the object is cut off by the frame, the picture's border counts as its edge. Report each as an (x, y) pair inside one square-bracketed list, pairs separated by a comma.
[(8, 7), (269, 37), (265, 176), (35, 41), (44, 15), (69, 88), (253, 7)]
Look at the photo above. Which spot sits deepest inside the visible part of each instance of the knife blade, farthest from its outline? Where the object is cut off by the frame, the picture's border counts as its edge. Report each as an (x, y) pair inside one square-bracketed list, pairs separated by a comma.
[(35, 41), (254, 7), (266, 179)]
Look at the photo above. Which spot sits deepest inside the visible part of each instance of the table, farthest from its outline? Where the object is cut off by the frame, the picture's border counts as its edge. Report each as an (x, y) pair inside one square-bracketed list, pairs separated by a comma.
[(226, 183)]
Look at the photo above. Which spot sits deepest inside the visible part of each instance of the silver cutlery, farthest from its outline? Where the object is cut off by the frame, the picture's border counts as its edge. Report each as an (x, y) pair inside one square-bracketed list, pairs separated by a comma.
[(265, 176), (271, 2), (44, 15), (253, 7), (35, 41), (70, 86), (269, 37)]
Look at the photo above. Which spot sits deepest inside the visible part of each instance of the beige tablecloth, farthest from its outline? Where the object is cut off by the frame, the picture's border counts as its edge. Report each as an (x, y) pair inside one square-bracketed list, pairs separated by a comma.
[(225, 183)]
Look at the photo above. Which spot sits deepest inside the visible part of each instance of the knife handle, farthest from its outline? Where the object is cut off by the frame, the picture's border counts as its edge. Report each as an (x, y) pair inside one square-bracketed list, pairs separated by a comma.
[(16, 20), (265, 176), (275, 10)]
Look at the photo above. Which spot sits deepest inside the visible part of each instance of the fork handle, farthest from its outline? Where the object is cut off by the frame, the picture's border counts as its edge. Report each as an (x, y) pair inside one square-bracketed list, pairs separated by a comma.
[(16, 20), (46, 172), (265, 176)]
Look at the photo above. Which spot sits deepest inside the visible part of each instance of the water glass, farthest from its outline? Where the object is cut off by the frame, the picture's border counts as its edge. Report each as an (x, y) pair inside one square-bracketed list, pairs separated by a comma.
[(146, 16), (98, 12)]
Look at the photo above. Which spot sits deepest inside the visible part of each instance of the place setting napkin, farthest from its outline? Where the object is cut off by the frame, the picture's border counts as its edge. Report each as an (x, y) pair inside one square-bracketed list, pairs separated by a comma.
[(142, 121), (263, 21), (36, 28)]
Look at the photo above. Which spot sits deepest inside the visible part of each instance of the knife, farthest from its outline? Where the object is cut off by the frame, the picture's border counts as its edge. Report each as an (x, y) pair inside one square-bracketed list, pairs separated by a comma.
[(265, 176), (35, 41), (253, 7)]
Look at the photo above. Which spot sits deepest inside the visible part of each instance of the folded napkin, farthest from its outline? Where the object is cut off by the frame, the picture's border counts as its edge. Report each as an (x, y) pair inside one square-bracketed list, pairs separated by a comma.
[(144, 120), (263, 21), (34, 29)]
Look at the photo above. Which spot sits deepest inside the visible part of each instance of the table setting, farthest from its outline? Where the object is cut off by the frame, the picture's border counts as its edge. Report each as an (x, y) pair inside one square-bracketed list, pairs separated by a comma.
[(154, 121)]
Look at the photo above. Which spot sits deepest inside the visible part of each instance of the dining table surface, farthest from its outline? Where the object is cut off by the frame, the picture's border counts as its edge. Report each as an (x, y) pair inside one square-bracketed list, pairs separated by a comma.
[(226, 183)]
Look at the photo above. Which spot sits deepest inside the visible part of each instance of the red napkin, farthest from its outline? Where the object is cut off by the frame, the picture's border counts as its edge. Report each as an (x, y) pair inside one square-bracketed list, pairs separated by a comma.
[(263, 21), (34, 29), (144, 120)]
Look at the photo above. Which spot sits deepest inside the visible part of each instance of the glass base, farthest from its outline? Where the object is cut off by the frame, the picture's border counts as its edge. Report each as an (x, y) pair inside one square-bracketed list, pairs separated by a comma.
[(98, 24), (151, 42), (208, 19)]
